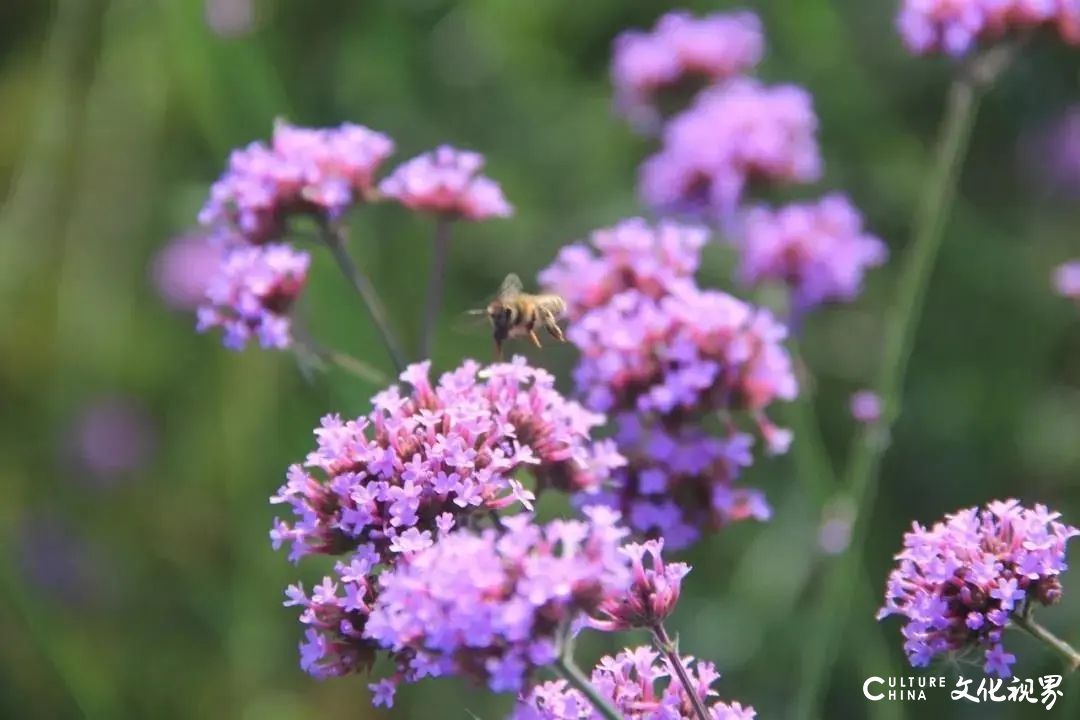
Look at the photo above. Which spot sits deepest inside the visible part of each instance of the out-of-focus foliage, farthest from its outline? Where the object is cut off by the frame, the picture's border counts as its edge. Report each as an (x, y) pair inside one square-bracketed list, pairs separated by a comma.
[(149, 589)]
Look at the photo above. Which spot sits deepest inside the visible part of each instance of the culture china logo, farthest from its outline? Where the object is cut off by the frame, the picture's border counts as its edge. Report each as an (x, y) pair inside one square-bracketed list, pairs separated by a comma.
[(1044, 690)]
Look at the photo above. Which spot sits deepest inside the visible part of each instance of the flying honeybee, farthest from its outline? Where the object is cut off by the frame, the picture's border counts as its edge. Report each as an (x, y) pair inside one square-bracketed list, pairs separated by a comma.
[(515, 313)]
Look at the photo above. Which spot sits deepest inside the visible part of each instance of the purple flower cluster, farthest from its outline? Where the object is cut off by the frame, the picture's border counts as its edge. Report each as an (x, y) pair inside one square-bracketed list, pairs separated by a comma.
[(732, 135), (651, 596), (302, 170), (492, 606), (663, 356), (955, 26), (1067, 279), (632, 255), (446, 449), (639, 687), (819, 250), (447, 182), (381, 488), (678, 50), (251, 294), (960, 581)]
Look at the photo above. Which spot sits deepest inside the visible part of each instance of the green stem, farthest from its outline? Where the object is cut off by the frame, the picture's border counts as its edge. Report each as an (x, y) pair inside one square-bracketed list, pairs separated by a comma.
[(334, 236), (352, 365), (671, 652), (870, 443), (436, 281), (1027, 623), (570, 672)]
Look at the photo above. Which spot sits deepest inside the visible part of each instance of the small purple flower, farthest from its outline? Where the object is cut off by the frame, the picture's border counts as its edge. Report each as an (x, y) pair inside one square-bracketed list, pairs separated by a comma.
[(958, 582), (999, 662), (251, 294), (488, 606), (865, 407), (640, 688), (819, 250), (182, 270), (652, 595), (448, 182), (732, 135), (956, 26), (303, 170), (681, 49), (1067, 279)]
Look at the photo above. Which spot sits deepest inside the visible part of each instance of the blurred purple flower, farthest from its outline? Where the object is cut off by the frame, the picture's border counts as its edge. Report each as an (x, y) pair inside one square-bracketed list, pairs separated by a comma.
[(681, 48), (957, 582), (251, 294), (638, 686), (182, 270), (1067, 279), (819, 250), (61, 564), (303, 170), (733, 134), (865, 407), (230, 18), (112, 437), (492, 606), (956, 26), (447, 181)]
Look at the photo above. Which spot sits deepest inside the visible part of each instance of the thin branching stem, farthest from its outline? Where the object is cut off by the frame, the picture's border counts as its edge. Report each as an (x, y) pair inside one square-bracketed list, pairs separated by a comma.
[(569, 671), (671, 652), (1027, 623), (334, 236), (861, 477), (436, 282)]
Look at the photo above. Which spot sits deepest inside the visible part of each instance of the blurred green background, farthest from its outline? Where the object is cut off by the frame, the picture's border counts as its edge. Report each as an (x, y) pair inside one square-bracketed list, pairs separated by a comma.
[(142, 584)]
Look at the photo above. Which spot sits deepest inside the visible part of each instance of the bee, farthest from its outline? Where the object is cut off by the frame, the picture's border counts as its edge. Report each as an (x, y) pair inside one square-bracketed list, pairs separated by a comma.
[(515, 313)]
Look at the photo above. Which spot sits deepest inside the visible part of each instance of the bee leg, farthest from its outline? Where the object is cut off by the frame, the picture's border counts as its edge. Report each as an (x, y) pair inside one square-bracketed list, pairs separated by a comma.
[(498, 352), (534, 338), (555, 331)]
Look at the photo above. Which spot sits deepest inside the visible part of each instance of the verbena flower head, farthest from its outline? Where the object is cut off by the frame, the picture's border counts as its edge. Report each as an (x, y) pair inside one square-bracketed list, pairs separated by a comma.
[(820, 250), (666, 358), (865, 407), (447, 181), (492, 606), (693, 351), (631, 254), (682, 49), (451, 448), (958, 582), (251, 294), (956, 26), (1067, 279), (735, 134), (303, 170), (640, 684), (652, 595)]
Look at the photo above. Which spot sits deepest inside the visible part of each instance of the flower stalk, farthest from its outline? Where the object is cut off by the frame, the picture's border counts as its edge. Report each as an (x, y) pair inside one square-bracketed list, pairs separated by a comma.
[(334, 236), (436, 283), (861, 475), (670, 649), (569, 671), (1026, 622)]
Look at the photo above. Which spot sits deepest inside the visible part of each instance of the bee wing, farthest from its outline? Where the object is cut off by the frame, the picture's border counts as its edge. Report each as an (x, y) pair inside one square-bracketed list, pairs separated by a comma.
[(511, 287), (472, 322)]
